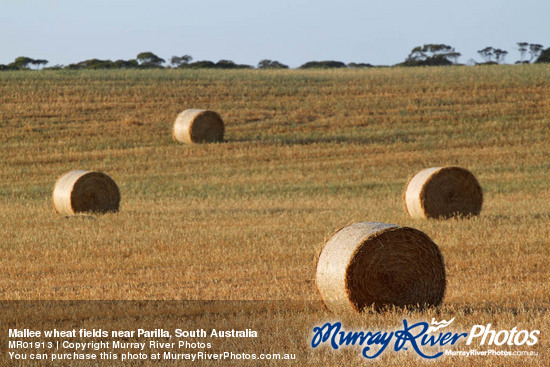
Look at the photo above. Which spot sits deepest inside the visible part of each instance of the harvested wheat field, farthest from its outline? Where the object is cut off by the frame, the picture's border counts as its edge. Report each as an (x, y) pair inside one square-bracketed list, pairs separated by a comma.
[(304, 154)]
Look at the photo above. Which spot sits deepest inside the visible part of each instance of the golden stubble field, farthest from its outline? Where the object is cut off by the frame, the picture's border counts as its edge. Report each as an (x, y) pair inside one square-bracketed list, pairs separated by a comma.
[(306, 153)]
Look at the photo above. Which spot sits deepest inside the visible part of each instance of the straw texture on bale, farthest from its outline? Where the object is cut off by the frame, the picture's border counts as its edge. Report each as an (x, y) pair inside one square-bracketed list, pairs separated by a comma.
[(443, 192), (379, 264), (198, 126), (84, 191)]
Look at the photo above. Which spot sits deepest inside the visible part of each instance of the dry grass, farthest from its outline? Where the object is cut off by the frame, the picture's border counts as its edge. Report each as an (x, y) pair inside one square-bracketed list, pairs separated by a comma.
[(307, 152)]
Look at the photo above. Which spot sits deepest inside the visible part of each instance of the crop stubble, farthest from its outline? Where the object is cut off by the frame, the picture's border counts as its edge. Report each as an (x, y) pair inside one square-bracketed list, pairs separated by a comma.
[(306, 152)]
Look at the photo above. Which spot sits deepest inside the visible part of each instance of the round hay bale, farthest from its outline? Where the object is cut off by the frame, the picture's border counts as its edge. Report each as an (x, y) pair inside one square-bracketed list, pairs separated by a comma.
[(85, 191), (198, 126), (379, 264), (443, 192)]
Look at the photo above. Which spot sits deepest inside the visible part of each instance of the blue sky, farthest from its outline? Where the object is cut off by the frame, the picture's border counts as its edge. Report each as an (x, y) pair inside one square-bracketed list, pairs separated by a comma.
[(291, 31)]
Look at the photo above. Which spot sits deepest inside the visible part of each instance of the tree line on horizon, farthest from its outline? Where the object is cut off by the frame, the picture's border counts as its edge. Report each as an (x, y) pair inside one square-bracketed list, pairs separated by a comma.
[(426, 55)]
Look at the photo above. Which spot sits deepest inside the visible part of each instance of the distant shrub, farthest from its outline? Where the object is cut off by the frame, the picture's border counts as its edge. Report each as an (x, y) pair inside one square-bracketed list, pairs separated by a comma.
[(205, 64), (177, 61), (228, 64), (75, 66), (7, 67), (102, 64), (271, 64), (126, 64), (222, 64), (149, 60), (544, 56), (54, 67), (99, 64), (92, 64), (486, 63), (431, 55), (359, 65), (323, 65), (432, 61), (22, 62)]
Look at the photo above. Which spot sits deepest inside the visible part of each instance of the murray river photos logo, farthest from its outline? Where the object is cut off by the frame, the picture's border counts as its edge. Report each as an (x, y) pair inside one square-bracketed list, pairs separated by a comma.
[(420, 337)]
